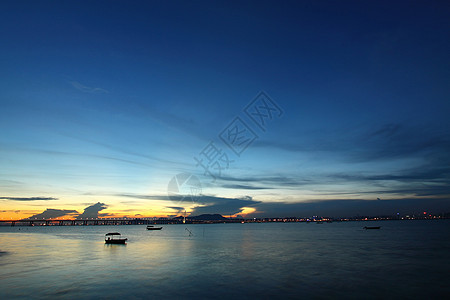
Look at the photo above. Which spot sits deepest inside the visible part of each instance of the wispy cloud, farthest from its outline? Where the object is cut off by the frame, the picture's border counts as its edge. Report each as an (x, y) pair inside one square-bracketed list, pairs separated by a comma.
[(65, 153), (430, 179), (245, 187), (28, 198), (4, 182), (386, 130), (262, 182), (144, 197), (87, 89), (122, 150), (416, 174), (392, 141), (178, 209), (382, 142)]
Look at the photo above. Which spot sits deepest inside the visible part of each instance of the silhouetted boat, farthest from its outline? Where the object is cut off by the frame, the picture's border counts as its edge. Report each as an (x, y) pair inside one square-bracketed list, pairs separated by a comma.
[(372, 227), (114, 238), (151, 227)]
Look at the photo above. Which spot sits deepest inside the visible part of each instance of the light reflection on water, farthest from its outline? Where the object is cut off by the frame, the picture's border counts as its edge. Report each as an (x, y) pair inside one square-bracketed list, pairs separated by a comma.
[(403, 259)]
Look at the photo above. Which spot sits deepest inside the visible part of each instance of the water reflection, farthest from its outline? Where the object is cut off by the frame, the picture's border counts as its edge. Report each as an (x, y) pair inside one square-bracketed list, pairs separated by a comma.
[(114, 245), (234, 260)]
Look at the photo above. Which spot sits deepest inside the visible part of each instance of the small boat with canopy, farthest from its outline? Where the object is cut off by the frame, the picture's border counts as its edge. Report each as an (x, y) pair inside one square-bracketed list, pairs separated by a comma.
[(114, 238)]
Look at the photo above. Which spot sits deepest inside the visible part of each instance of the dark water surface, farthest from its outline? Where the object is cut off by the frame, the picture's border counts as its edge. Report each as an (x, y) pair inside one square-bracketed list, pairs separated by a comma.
[(404, 259)]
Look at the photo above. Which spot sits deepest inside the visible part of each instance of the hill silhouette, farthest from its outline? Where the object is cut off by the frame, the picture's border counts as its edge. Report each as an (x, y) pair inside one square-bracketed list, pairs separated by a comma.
[(204, 217)]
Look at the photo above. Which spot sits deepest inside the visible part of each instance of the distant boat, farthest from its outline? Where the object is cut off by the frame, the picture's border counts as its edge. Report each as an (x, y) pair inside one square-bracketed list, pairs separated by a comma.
[(114, 238), (151, 227), (372, 227)]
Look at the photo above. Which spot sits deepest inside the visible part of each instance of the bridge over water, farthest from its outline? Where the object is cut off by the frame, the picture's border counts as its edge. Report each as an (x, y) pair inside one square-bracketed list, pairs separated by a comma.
[(90, 221)]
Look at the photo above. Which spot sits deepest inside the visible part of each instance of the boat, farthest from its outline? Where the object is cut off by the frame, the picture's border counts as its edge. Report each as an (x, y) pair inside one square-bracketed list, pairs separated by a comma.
[(372, 227), (114, 238), (151, 227)]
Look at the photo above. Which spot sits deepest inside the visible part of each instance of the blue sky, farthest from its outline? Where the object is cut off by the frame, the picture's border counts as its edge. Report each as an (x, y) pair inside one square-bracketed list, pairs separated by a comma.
[(106, 101)]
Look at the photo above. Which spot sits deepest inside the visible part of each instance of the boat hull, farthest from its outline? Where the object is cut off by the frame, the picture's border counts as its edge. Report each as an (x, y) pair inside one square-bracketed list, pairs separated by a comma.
[(154, 228), (117, 241)]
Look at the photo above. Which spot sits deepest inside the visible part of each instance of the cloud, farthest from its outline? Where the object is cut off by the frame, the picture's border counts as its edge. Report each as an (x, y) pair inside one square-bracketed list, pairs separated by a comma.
[(420, 174), (329, 207), (5, 182), (386, 130), (105, 215), (425, 180), (53, 213), (201, 199), (175, 207), (245, 187), (350, 207), (425, 147), (223, 206), (92, 211), (264, 182), (144, 197), (392, 141), (128, 152), (28, 198), (86, 89), (207, 204), (178, 209), (175, 198), (383, 142), (65, 153)]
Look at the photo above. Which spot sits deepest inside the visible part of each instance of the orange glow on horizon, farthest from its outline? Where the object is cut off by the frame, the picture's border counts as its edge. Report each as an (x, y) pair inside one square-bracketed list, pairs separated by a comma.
[(19, 215), (245, 211)]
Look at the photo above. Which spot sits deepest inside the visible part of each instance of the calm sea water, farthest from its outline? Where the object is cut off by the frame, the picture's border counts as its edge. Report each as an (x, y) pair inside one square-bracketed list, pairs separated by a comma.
[(406, 259)]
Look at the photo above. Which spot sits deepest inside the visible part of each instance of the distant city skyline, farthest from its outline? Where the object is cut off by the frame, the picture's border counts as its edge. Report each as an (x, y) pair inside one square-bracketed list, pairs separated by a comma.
[(266, 109)]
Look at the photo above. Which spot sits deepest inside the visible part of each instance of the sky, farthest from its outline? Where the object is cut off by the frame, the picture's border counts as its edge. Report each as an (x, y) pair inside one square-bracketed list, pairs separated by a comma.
[(249, 108)]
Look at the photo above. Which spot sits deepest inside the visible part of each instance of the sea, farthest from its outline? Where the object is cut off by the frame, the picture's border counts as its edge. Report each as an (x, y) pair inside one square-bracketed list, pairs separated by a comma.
[(403, 259)]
